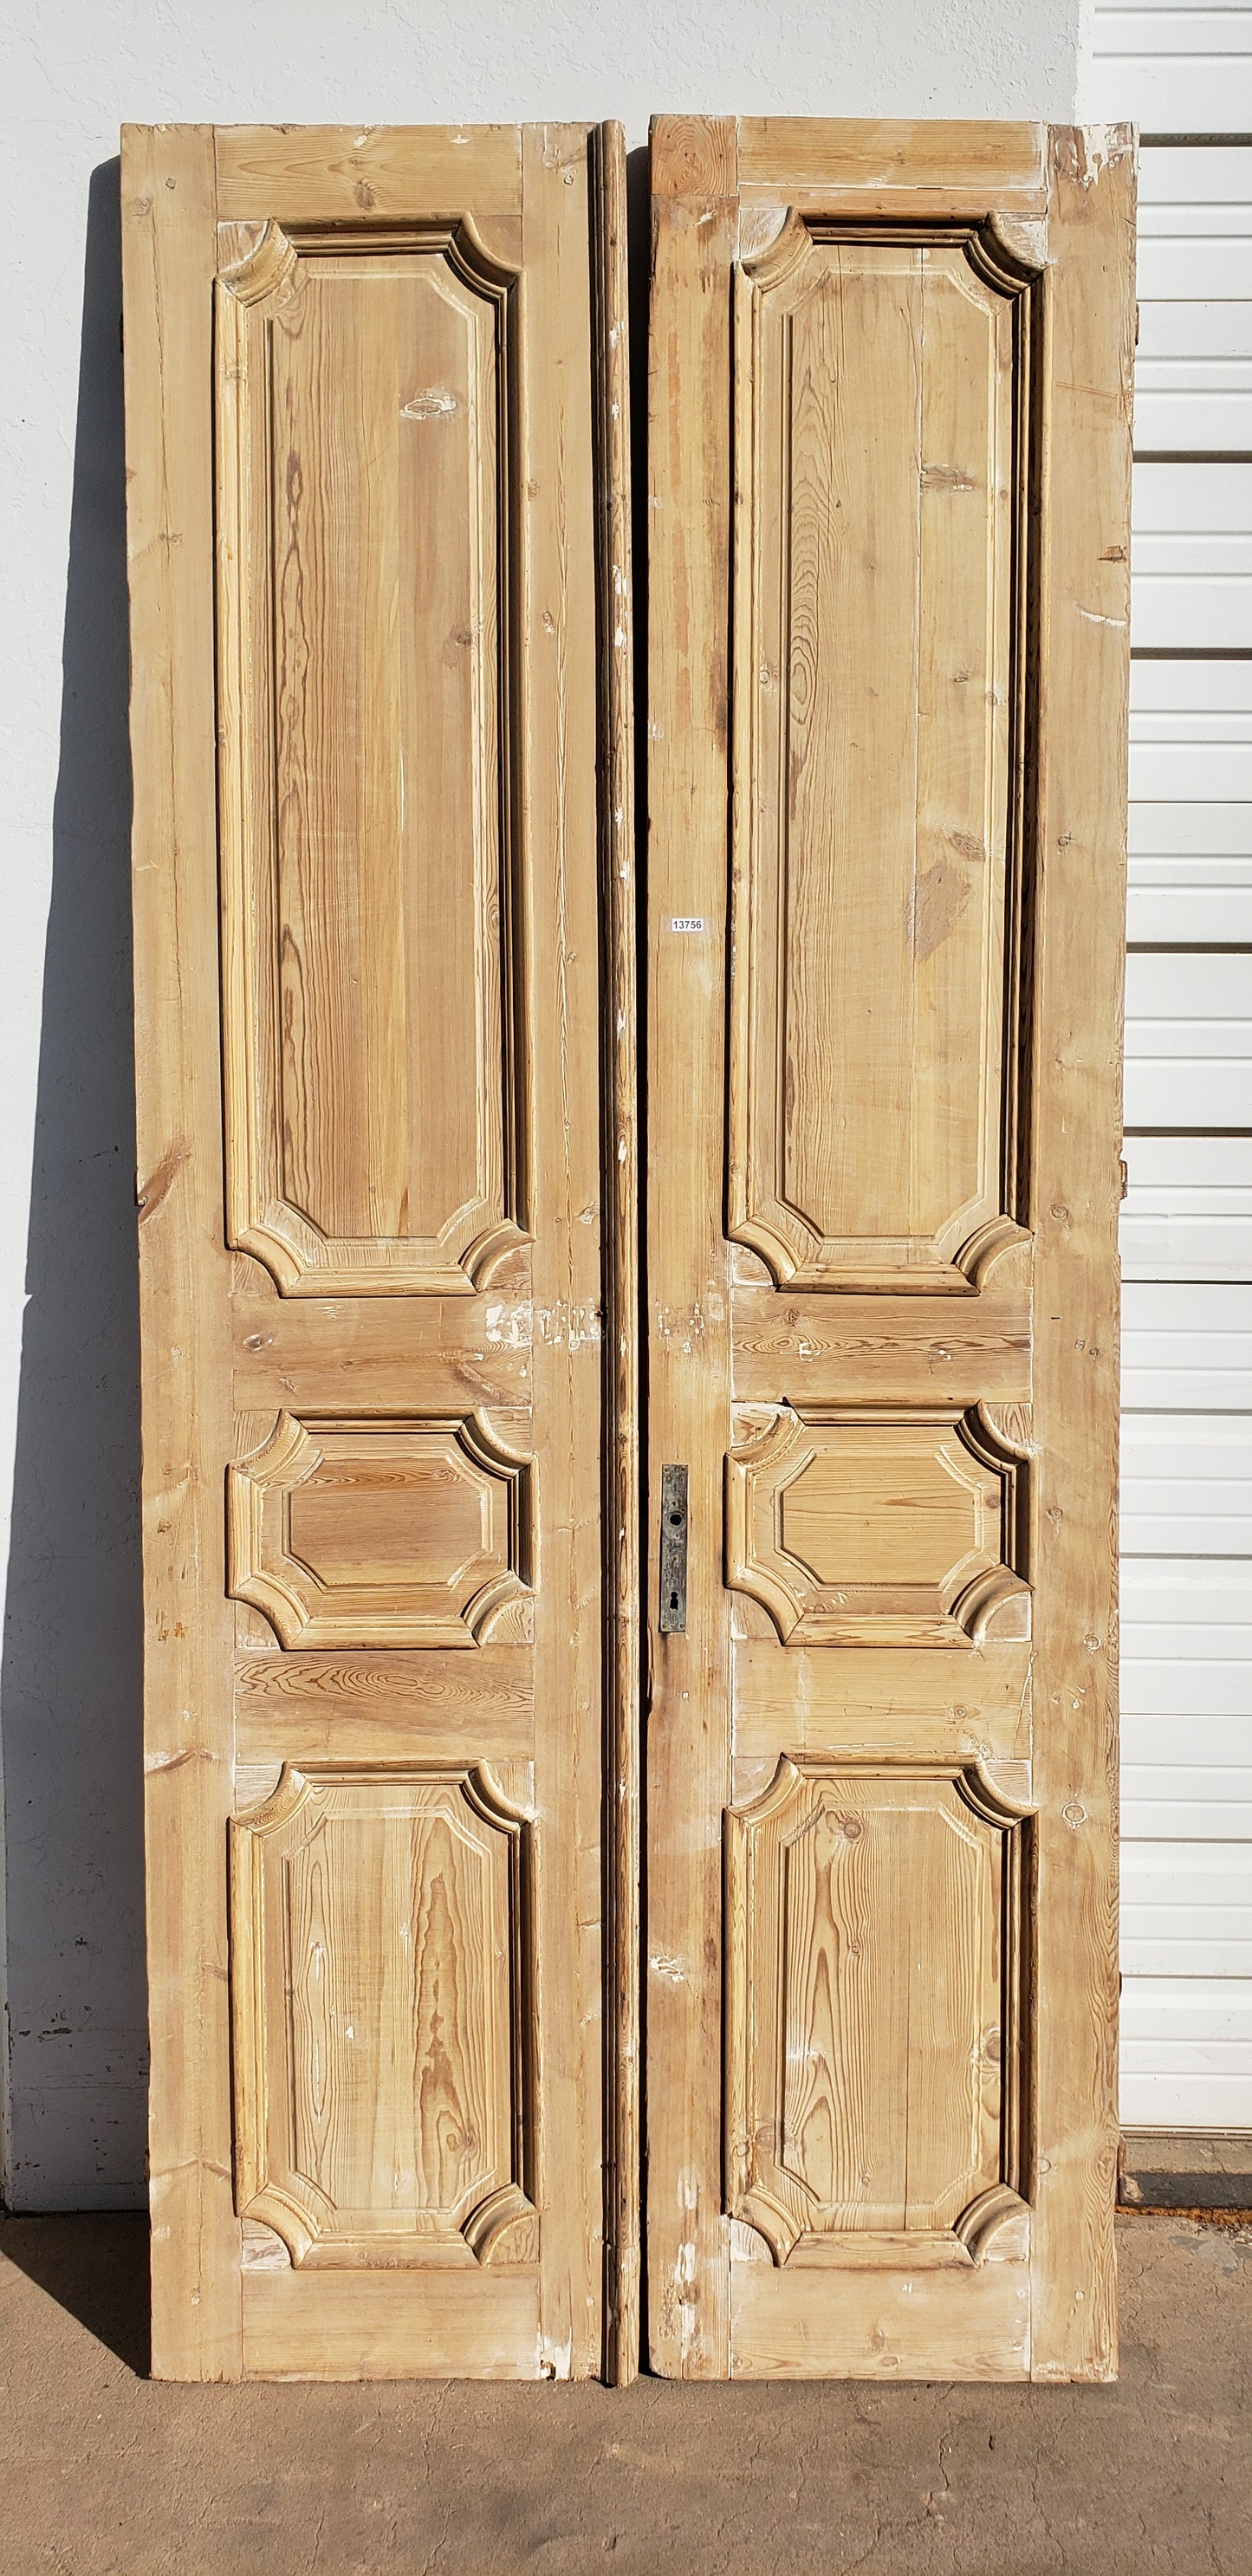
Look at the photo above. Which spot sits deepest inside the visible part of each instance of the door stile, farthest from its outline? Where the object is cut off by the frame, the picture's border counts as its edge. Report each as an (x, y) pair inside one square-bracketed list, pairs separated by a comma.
[(1076, 1199), (695, 221), (620, 1218), (169, 250), (561, 827)]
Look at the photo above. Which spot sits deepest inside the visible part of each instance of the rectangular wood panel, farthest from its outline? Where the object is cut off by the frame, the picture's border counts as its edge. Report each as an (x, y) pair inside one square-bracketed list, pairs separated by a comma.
[(366, 446), (889, 612)]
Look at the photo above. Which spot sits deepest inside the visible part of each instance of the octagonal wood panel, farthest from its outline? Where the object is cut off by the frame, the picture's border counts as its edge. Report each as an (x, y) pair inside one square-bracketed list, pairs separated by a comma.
[(383, 1989), (882, 535), (863, 1528), (876, 1940), (373, 1011), (409, 1533)]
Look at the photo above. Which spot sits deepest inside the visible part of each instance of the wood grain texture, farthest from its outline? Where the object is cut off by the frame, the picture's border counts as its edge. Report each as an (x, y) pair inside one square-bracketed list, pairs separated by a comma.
[(410, 1533), (881, 1698), (890, 2330), (619, 1045), (370, 907), (383, 1973), (851, 1349), (881, 393), (366, 1353), (925, 1120), (1076, 1192), (865, 159), (848, 2136), (409, 755), (464, 2324), (688, 1747), (875, 1528), (336, 174), (168, 242), (559, 643)]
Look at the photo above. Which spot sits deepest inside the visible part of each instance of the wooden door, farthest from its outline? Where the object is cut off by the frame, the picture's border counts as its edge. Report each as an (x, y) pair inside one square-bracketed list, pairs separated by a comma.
[(888, 486), (374, 382)]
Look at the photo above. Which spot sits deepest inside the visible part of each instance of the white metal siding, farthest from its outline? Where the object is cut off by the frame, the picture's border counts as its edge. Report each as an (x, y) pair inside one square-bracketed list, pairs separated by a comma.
[(1187, 1223)]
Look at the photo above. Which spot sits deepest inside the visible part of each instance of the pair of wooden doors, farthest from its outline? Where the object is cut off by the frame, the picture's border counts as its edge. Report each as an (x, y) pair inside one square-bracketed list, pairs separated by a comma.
[(395, 1391)]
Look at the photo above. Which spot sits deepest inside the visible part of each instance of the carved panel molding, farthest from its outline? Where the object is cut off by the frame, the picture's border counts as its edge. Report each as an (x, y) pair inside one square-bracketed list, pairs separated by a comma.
[(883, 752), (878, 1930), (875, 1527), (374, 992), (383, 1969), (404, 1533)]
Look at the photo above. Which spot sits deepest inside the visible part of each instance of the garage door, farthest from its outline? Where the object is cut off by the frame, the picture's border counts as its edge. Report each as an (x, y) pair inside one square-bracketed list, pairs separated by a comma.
[(1186, 75)]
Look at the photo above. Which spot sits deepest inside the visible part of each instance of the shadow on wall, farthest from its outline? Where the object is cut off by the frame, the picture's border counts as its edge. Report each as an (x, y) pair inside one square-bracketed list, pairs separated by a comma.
[(71, 1672)]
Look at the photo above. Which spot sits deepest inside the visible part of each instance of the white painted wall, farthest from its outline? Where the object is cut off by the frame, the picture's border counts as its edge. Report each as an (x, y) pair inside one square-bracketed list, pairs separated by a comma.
[(72, 71)]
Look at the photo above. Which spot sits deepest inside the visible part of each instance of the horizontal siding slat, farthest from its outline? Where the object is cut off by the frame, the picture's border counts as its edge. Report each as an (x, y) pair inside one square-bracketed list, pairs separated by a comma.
[(1197, 689), (1161, 829), (1181, 915), (1202, 1743), (1186, 1309), (1157, 2003), (1198, 773), (1186, 2101), (1211, 266), (1205, 186), (1170, 93), (1173, 328), (1193, 420), (1195, 499), (1190, 1093), (1193, 1248), (1210, 613), (1187, 989), (1178, 1686)]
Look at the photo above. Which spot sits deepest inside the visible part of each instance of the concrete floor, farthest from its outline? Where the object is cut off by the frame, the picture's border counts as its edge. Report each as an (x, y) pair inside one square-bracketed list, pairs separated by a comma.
[(104, 2474)]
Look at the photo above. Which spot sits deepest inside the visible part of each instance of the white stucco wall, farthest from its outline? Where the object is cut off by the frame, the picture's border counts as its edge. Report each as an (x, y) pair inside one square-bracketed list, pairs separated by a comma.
[(74, 69)]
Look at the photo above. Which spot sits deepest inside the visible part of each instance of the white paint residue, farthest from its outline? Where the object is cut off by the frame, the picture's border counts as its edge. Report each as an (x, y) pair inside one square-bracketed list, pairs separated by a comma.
[(508, 1327), (433, 404), (566, 1328), (1098, 147), (663, 1966), (1094, 618)]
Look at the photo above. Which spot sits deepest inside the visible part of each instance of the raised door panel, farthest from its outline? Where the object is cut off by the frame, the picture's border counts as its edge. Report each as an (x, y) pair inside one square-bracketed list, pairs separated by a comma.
[(877, 2089), (375, 1061), (889, 1529), (366, 1533), (383, 1975), (884, 435), (888, 603)]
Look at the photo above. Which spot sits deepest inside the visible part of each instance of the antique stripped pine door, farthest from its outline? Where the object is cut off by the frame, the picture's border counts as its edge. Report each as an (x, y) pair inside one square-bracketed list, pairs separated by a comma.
[(888, 492), (375, 500)]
